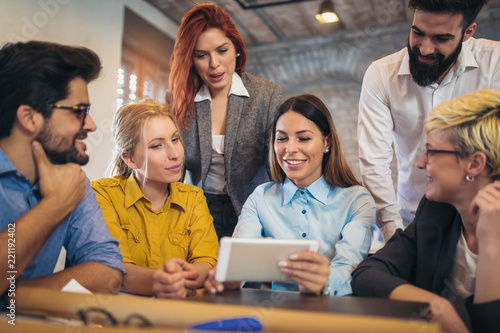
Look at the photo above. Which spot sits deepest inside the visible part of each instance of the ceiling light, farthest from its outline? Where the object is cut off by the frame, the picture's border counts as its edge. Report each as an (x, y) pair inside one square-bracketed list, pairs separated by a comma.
[(326, 13)]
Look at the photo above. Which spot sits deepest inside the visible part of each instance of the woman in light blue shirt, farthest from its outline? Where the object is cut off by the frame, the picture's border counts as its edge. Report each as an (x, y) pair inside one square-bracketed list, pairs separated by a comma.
[(314, 195)]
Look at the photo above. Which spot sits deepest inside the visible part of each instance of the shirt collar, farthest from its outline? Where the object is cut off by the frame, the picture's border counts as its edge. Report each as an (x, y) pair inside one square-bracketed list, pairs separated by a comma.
[(5, 163), (318, 190), (404, 69), (237, 88), (7, 167), (133, 194), (132, 191), (174, 198), (465, 59)]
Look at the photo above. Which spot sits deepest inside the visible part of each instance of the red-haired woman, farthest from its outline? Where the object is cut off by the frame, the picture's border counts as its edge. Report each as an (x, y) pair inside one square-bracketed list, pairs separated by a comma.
[(224, 112)]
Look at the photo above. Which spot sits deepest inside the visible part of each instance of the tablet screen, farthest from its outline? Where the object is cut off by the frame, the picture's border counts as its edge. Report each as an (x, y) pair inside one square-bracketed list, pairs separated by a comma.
[(256, 259)]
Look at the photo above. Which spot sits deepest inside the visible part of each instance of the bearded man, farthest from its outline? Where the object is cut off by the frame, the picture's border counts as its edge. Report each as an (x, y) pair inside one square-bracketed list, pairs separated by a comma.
[(441, 61), (46, 200)]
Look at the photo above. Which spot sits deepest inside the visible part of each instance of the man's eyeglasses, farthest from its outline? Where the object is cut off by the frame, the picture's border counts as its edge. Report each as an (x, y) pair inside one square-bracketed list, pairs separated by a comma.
[(80, 110), (430, 152)]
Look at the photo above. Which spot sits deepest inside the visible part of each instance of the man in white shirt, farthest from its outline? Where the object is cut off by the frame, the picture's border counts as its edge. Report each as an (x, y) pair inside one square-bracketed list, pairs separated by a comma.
[(441, 61)]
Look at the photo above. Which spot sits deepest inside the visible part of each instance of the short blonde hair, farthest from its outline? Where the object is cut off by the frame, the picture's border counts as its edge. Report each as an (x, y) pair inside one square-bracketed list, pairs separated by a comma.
[(472, 123), (129, 124)]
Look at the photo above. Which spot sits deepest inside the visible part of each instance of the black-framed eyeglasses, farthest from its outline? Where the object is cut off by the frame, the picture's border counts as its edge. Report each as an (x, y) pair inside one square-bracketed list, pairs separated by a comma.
[(430, 151), (100, 317), (80, 110)]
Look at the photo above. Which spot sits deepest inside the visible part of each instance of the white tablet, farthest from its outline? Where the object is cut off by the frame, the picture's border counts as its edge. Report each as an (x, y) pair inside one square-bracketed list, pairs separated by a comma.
[(256, 259)]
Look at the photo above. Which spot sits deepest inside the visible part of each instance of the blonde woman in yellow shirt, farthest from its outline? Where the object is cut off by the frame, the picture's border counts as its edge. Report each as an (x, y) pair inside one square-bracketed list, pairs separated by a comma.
[(164, 227)]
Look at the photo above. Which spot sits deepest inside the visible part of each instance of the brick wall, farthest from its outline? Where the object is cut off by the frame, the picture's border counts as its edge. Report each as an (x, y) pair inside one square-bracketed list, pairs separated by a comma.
[(332, 68)]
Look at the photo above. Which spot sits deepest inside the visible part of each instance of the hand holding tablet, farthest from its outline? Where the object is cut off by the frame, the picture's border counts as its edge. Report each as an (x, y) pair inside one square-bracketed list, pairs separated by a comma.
[(256, 260)]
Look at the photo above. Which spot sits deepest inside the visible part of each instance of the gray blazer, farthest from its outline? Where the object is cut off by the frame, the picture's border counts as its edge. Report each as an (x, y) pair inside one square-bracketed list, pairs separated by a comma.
[(248, 123)]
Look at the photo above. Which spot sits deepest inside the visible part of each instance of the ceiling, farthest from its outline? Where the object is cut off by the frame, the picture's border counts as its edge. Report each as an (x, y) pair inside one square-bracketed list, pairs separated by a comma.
[(276, 23)]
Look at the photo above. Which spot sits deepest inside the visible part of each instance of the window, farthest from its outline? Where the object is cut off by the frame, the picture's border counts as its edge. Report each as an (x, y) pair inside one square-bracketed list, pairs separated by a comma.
[(145, 61)]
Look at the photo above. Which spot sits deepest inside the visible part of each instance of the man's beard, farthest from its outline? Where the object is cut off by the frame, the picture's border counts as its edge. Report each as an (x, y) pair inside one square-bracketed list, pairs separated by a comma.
[(50, 143), (426, 74)]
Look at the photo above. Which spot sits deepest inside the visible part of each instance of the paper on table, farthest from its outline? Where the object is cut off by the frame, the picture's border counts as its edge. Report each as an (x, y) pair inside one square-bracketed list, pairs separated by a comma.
[(75, 287)]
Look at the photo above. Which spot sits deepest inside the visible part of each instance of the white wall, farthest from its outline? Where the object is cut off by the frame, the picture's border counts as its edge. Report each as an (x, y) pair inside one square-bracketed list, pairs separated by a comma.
[(96, 24)]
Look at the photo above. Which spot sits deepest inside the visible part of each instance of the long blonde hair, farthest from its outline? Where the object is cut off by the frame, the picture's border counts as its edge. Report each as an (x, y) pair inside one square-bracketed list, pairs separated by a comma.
[(128, 126)]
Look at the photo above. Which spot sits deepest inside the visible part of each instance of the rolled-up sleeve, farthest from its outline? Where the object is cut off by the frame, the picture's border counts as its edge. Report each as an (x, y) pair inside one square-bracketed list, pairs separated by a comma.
[(375, 126), (89, 239)]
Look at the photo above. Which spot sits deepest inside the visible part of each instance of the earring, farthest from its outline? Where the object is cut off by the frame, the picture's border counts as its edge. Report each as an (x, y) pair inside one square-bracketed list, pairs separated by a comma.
[(469, 178), (237, 54), (327, 150)]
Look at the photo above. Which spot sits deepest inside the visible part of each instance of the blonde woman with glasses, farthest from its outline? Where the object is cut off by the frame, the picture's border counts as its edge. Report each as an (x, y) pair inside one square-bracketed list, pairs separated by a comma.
[(449, 255)]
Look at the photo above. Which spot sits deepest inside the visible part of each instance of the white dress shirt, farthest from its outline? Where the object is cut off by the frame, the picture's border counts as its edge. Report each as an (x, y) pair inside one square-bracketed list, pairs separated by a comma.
[(392, 109)]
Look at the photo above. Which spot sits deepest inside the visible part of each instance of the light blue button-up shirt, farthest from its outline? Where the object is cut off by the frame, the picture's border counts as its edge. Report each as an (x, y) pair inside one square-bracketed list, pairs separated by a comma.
[(342, 218)]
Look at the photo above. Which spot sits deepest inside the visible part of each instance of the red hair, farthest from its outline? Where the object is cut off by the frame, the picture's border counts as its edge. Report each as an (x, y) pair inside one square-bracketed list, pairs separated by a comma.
[(184, 81)]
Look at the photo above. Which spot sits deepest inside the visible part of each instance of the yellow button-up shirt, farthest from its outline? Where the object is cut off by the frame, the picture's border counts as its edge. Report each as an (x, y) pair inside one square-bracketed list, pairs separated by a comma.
[(181, 228)]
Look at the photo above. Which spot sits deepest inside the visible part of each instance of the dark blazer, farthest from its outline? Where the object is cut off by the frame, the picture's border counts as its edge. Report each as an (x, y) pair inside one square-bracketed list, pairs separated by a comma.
[(423, 255), (248, 123)]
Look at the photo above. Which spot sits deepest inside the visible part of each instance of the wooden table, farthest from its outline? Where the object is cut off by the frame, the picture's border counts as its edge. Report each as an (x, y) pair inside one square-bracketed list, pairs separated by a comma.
[(277, 311), (266, 300)]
